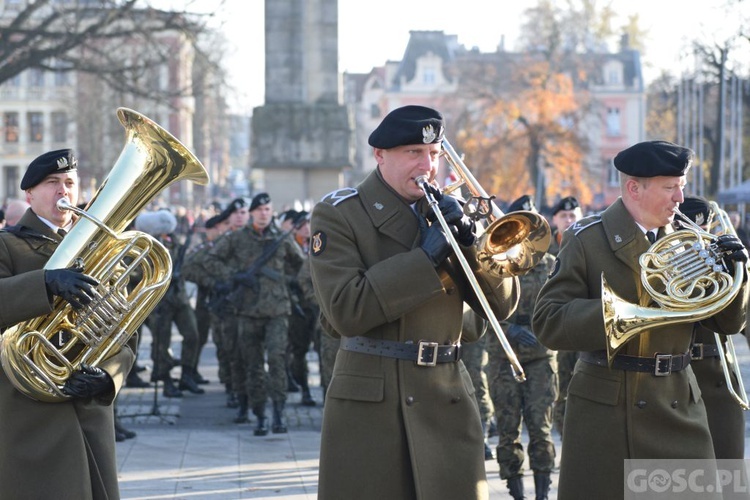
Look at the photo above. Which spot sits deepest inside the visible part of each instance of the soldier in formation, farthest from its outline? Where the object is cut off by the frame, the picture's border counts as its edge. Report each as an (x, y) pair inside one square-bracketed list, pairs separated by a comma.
[(251, 267)]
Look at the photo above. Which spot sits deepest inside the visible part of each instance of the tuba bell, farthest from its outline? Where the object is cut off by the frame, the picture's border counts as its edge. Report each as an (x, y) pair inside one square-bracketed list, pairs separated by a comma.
[(151, 160), (683, 274)]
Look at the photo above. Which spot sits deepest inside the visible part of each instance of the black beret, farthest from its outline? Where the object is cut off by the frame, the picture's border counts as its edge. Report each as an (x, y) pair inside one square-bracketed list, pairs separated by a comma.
[(286, 215), (523, 203), (260, 199), (654, 158), (303, 215), (696, 209), (567, 203), (211, 222), (58, 161), (408, 125)]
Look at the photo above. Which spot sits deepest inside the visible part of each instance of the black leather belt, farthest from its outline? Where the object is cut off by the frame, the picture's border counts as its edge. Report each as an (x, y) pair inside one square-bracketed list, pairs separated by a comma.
[(423, 353), (660, 365), (699, 351)]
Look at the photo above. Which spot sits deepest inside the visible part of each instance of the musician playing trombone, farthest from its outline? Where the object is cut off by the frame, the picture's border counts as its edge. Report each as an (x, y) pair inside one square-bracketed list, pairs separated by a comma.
[(400, 419), (642, 402)]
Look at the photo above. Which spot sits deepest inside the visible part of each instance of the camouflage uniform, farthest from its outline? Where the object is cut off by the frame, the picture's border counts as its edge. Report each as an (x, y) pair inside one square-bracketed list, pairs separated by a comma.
[(566, 360), (175, 308), (474, 356), (260, 317), (531, 400), (301, 334), (195, 270)]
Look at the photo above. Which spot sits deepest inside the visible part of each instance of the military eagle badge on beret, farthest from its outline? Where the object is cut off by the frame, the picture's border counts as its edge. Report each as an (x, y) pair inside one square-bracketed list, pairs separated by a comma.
[(429, 135), (62, 163)]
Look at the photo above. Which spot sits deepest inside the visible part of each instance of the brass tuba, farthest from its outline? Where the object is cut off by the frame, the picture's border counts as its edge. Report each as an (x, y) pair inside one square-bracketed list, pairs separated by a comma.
[(151, 160), (683, 274)]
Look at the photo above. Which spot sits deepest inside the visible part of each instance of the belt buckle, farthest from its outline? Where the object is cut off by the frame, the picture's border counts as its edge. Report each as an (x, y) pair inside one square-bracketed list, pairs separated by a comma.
[(659, 359), (696, 351), (427, 348)]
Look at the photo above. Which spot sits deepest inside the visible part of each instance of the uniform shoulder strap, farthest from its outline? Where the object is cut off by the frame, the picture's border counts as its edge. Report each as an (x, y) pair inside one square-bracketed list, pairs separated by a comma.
[(585, 223), (336, 197)]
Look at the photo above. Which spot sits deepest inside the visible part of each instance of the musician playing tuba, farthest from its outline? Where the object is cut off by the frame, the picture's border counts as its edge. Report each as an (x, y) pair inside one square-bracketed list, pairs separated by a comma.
[(401, 419), (644, 401), (66, 448)]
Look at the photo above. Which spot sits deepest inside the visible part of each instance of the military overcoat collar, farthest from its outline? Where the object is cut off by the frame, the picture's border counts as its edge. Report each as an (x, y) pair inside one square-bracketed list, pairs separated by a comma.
[(386, 210), (32, 221), (625, 238)]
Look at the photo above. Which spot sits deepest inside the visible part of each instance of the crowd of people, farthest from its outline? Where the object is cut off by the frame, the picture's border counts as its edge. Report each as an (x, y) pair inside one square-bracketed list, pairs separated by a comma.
[(416, 377)]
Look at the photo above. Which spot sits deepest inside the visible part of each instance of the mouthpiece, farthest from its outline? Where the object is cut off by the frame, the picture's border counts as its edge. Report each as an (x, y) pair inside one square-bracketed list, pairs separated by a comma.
[(422, 179)]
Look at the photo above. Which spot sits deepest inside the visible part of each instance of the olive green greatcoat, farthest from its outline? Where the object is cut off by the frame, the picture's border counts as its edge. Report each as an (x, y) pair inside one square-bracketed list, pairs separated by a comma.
[(726, 419), (392, 429), (51, 450), (613, 415)]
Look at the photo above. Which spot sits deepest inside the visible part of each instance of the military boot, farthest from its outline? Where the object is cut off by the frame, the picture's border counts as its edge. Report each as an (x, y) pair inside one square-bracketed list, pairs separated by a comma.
[(261, 426), (188, 383), (278, 426), (241, 417), (307, 399), (170, 390), (541, 485), (515, 486)]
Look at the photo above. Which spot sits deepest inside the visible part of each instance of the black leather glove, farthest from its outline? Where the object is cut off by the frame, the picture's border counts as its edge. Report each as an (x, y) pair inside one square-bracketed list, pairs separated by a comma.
[(435, 244), (72, 285), (453, 213), (88, 382), (732, 249), (522, 335), (448, 205)]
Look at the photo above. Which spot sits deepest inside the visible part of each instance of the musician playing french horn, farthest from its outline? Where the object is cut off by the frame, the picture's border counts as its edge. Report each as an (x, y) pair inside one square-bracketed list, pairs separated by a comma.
[(65, 449), (401, 420), (642, 402)]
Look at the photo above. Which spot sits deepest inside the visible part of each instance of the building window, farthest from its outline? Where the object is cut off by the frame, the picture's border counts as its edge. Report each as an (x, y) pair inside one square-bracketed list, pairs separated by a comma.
[(36, 78), (11, 127), (428, 76), (613, 175), (36, 127), (374, 111), (613, 122), (10, 176), (59, 126)]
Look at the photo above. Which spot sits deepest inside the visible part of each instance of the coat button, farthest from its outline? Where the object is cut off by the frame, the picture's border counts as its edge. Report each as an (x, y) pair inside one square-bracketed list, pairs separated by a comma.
[(641, 404), (455, 400), (674, 404), (410, 400)]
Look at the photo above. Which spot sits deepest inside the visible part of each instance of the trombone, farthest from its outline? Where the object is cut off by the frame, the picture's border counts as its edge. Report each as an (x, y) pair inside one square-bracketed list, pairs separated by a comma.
[(511, 245)]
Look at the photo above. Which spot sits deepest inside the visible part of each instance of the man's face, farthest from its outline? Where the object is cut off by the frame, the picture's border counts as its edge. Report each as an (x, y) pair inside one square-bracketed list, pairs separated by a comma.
[(239, 218), (262, 215), (43, 197), (658, 199), (564, 218), (303, 232), (402, 164)]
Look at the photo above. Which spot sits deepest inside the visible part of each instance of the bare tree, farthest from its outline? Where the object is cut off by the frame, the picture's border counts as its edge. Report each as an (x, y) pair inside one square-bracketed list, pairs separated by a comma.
[(116, 40)]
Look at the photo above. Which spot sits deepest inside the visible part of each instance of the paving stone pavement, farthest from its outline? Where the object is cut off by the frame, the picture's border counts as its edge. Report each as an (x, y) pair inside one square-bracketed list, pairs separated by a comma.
[(190, 449)]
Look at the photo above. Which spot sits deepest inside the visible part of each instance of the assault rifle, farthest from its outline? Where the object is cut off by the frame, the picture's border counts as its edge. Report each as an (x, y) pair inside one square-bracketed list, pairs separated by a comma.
[(248, 279)]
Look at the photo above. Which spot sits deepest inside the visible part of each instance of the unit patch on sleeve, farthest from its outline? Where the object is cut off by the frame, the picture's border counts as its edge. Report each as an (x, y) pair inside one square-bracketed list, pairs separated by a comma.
[(318, 243)]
